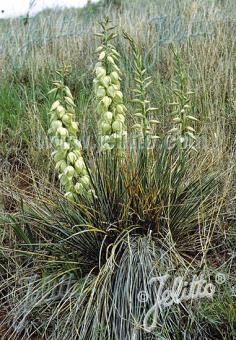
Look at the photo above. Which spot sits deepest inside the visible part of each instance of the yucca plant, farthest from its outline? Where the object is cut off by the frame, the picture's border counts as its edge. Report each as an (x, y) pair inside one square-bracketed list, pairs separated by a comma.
[(88, 258), (110, 249)]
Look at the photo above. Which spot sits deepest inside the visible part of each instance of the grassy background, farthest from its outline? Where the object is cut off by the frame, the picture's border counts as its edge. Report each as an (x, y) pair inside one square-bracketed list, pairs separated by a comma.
[(31, 52)]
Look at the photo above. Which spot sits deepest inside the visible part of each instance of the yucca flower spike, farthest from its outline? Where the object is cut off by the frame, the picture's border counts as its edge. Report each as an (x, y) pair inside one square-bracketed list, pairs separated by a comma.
[(110, 107), (67, 154)]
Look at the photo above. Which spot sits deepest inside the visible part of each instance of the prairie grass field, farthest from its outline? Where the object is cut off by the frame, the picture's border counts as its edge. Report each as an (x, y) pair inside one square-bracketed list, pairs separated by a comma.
[(79, 243)]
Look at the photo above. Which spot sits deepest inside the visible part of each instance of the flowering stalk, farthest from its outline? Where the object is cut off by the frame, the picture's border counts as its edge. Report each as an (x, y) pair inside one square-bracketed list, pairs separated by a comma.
[(145, 123), (111, 110), (67, 152), (183, 133)]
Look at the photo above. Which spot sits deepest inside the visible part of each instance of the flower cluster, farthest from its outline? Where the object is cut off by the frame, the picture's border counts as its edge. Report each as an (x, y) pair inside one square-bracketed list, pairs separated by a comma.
[(67, 153), (182, 133), (111, 110), (145, 125)]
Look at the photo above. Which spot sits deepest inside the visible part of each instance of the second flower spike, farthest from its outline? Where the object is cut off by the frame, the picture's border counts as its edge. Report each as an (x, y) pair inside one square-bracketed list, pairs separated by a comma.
[(110, 107)]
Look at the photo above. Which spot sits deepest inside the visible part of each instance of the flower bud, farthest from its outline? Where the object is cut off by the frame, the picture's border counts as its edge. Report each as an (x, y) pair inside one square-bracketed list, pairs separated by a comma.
[(61, 165), (71, 157), (111, 91), (108, 116), (101, 108), (74, 126), (110, 59), (105, 127), (64, 180), (79, 165), (67, 118), (139, 115), (98, 64), (99, 49), (116, 86), (69, 101), (173, 130), (106, 101), (192, 118), (69, 195), (177, 120), (62, 132), (105, 81), (91, 193), (68, 92), (77, 144), (55, 105), (120, 108), (79, 188), (53, 116), (69, 171), (85, 181), (114, 51), (69, 186), (56, 124), (114, 77), (52, 90), (59, 155), (100, 72), (102, 55), (186, 106), (191, 135), (116, 68), (56, 141), (100, 93), (66, 146), (118, 97), (60, 109), (117, 125), (120, 118)]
